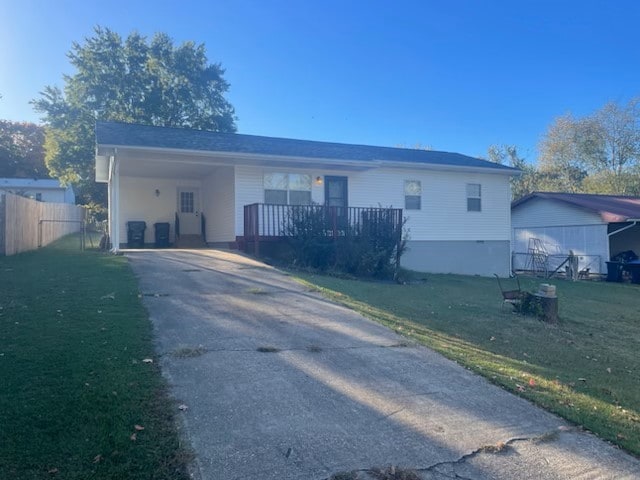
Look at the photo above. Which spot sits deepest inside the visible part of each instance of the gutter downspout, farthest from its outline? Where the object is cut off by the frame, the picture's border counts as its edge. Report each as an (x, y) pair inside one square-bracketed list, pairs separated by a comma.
[(635, 222)]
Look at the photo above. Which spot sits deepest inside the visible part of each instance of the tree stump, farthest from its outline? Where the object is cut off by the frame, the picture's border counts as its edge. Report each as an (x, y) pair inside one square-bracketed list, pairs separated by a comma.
[(545, 307)]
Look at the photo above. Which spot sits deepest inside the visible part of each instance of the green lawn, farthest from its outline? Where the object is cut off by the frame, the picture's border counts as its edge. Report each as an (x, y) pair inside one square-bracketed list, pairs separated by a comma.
[(586, 368), (77, 401)]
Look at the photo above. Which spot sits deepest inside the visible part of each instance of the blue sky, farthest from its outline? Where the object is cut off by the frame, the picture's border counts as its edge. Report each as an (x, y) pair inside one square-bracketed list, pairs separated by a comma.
[(454, 75)]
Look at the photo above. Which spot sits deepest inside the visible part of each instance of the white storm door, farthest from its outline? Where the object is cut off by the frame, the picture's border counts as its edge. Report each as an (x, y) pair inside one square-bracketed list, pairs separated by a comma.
[(189, 211)]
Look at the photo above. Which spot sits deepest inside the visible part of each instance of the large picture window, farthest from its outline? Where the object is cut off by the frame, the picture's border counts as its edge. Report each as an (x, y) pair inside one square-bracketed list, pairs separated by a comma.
[(412, 194), (287, 188), (474, 197)]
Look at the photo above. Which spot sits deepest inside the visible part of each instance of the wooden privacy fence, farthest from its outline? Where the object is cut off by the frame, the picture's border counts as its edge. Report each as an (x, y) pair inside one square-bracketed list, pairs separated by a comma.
[(27, 224)]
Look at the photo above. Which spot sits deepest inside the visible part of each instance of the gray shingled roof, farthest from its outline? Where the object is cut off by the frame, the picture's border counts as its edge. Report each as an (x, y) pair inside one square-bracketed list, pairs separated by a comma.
[(611, 208), (133, 135)]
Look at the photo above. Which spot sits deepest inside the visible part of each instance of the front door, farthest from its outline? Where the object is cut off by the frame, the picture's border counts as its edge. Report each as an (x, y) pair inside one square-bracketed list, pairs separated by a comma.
[(336, 194), (189, 211)]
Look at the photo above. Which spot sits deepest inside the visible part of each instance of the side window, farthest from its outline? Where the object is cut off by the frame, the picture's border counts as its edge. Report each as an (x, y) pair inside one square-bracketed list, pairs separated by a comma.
[(474, 197), (412, 194)]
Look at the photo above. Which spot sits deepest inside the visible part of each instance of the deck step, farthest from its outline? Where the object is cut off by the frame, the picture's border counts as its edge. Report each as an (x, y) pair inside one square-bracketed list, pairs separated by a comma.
[(190, 241)]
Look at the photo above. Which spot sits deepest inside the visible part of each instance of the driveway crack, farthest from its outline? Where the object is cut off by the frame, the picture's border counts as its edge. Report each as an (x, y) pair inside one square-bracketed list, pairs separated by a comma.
[(500, 447)]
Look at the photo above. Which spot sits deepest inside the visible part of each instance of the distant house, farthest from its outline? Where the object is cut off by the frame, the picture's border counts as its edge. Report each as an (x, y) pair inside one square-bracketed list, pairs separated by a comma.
[(208, 184), (594, 227), (43, 190)]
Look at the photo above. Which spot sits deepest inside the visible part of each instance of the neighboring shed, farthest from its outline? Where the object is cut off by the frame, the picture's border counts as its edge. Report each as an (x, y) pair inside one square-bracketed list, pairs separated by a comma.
[(41, 189), (594, 227)]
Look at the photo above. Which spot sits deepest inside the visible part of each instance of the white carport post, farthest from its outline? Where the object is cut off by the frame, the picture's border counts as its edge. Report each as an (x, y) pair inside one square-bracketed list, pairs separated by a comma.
[(114, 202)]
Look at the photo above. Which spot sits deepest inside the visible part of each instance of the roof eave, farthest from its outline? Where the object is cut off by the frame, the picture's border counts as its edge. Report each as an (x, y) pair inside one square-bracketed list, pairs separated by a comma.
[(449, 167), (254, 158)]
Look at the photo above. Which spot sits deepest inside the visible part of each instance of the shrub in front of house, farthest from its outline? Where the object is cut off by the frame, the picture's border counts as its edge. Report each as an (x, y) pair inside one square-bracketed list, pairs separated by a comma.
[(366, 248)]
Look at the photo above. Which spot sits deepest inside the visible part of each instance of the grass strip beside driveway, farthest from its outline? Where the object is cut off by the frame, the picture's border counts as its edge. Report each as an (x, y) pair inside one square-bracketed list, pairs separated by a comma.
[(77, 400), (586, 368)]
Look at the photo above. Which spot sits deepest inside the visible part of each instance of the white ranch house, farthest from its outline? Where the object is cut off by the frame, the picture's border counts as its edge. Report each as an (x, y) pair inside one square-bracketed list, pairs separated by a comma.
[(458, 207)]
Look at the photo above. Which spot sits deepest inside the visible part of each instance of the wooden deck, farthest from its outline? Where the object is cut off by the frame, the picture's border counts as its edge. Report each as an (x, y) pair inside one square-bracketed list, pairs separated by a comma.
[(268, 223)]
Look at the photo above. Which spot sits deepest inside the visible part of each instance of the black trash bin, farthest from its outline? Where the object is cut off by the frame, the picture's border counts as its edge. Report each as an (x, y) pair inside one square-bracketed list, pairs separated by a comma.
[(135, 234), (614, 271), (162, 235)]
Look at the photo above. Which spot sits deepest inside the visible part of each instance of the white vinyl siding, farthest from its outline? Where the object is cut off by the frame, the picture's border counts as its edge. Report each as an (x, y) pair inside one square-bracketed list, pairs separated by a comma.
[(218, 205), (444, 211), (540, 212), (138, 201)]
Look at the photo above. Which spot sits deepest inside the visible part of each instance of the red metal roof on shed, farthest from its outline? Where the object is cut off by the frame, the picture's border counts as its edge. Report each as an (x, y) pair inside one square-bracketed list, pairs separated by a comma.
[(611, 208)]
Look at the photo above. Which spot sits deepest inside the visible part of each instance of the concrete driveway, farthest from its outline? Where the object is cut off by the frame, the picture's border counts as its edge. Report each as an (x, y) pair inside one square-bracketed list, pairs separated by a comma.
[(283, 384)]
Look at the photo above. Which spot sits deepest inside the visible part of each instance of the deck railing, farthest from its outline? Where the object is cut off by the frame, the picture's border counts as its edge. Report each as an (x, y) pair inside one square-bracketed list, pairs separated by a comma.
[(271, 222)]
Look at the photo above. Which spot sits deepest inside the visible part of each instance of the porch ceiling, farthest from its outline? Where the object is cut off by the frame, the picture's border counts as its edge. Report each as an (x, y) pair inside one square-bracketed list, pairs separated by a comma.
[(169, 169)]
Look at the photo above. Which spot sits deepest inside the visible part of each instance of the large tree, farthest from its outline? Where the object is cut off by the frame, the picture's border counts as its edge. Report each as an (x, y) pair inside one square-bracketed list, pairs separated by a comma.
[(153, 82), (561, 160), (22, 150), (599, 153)]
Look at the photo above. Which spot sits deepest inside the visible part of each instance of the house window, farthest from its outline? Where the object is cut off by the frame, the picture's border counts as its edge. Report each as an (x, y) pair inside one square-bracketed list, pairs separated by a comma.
[(474, 197), (287, 188), (412, 194), (186, 202), (39, 197)]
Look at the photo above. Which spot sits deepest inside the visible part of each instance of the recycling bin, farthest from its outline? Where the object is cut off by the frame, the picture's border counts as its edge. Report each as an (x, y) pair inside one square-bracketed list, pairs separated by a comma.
[(161, 234), (135, 234)]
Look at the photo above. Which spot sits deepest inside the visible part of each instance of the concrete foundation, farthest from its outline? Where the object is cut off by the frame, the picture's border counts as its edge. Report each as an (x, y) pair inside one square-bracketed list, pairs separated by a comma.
[(480, 257)]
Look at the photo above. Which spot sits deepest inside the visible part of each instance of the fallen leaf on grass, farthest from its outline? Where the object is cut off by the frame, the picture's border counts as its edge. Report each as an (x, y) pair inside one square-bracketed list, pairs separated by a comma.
[(520, 388), (620, 436), (97, 458), (134, 437), (532, 382), (609, 370), (110, 296), (147, 360), (182, 407), (52, 471), (492, 339), (138, 427)]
